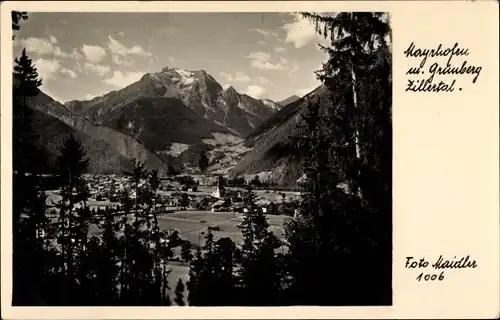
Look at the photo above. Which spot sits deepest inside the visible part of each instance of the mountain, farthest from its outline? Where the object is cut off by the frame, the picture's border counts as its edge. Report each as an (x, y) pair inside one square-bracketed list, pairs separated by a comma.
[(106, 148), (157, 122), (52, 132), (198, 90), (289, 100), (272, 152)]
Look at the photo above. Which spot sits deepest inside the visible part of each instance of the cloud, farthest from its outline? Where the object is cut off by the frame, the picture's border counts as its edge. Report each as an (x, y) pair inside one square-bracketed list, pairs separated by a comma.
[(123, 79), (265, 33), (225, 86), (255, 91), (242, 77), (138, 50), (259, 55), (68, 72), (43, 47), (47, 69), (226, 76), (262, 42), (93, 54), (76, 54), (121, 34), (294, 67), (300, 32), (260, 60), (279, 49), (263, 80), (96, 68), (239, 76), (119, 52)]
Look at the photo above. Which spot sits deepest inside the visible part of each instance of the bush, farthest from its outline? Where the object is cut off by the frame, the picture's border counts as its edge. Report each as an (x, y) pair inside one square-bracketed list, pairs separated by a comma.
[(186, 181)]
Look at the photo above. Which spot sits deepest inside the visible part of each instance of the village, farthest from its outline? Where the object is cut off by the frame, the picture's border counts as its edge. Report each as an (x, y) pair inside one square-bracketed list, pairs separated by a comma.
[(188, 204)]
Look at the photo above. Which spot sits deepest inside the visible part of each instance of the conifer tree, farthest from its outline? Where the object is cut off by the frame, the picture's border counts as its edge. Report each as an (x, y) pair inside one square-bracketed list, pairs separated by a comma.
[(203, 162), (258, 267), (73, 214), (186, 253), (179, 293), (106, 255), (17, 17), (346, 141), (29, 217), (195, 284)]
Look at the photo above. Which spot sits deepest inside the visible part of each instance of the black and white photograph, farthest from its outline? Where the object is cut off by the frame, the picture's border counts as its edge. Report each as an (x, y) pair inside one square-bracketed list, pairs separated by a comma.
[(202, 159)]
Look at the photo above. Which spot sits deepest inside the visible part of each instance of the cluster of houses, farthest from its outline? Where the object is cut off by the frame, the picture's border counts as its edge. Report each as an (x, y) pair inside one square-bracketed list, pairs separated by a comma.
[(174, 196)]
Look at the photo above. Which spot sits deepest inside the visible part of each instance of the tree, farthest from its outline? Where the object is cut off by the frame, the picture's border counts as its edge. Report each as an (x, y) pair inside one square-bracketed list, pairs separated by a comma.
[(32, 258), (17, 17), (179, 293), (26, 85), (259, 276), (184, 201), (186, 253), (255, 181), (203, 162), (137, 174), (345, 141), (154, 183), (74, 215)]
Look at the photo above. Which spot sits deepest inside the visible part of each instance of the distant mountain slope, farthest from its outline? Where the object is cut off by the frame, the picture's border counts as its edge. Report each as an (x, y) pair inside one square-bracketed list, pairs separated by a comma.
[(288, 100), (52, 132), (158, 121), (197, 89), (272, 147), (104, 145), (273, 152)]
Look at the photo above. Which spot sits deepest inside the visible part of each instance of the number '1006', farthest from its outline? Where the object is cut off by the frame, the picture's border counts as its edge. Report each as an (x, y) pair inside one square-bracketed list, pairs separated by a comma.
[(430, 277)]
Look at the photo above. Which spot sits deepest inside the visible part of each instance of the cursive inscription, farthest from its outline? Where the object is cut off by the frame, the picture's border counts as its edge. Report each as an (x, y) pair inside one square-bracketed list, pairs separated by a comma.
[(440, 265), (438, 68)]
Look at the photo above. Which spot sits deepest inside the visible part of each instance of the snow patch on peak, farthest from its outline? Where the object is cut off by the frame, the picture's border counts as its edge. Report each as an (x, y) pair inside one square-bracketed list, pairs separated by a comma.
[(187, 77)]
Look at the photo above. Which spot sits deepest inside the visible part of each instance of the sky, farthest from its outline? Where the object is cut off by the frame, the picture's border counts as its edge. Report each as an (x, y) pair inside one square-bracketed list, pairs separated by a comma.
[(83, 55)]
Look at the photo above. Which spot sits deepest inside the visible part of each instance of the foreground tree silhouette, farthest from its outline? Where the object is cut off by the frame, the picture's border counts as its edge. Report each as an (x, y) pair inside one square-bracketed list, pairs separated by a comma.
[(186, 253), (29, 221), (259, 276), (179, 293), (346, 141), (211, 275), (74, 216), (17, 17)]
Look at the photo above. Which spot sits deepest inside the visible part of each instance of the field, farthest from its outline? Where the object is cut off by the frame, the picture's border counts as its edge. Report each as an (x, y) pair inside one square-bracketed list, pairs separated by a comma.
[(193, 225)]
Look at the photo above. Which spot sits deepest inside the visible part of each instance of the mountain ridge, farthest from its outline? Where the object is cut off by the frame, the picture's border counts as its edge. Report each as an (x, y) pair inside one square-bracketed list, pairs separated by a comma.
[(197, 89)]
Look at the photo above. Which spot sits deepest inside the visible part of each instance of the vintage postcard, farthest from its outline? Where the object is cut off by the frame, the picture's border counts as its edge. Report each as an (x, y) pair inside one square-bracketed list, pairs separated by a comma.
[(250, 159)]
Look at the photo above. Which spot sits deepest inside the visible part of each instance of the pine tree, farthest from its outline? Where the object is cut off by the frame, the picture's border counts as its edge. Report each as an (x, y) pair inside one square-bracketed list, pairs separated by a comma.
[(195, 284), (106, 255), (186, 253), (346, 141), (74, 215), (258, 265), (29, 216), (179, 293), (17, 17), (137, 174), (203, 162)]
